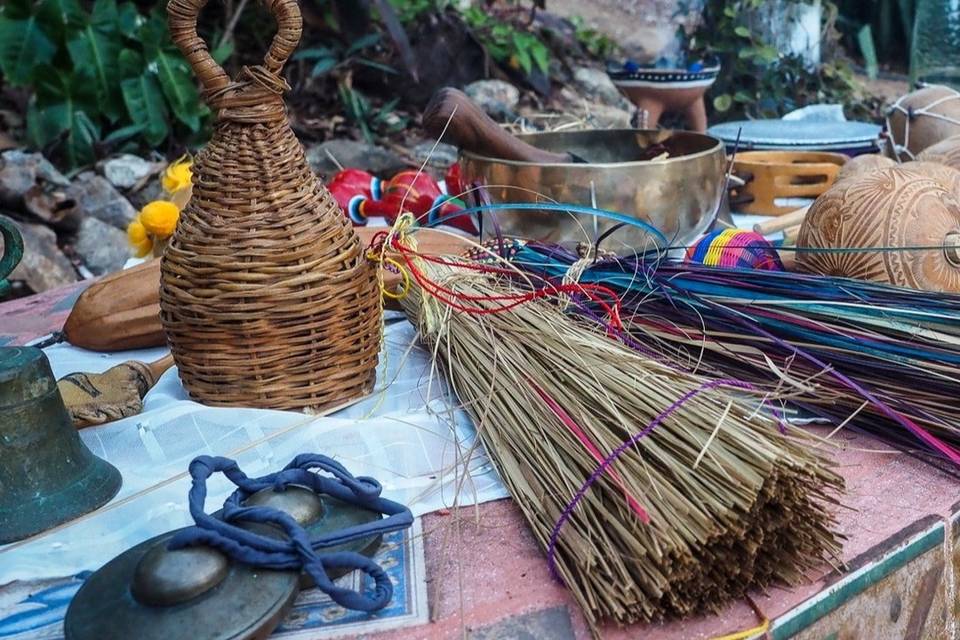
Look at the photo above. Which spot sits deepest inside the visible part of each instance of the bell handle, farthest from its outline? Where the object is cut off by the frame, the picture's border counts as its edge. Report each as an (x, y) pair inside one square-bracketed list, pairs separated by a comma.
[(182, 18), (12, 249), (473, 130)]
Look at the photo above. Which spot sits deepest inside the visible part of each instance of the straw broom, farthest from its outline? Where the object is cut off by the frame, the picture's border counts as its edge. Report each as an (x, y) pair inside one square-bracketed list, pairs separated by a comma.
[(711, 502)]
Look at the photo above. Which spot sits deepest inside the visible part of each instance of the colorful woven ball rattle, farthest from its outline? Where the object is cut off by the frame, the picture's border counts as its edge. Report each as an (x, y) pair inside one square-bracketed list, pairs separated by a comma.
[(735, 249)]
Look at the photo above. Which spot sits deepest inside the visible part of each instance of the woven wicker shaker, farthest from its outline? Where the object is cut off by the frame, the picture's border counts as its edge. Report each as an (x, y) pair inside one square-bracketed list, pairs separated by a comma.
[(266, 295)]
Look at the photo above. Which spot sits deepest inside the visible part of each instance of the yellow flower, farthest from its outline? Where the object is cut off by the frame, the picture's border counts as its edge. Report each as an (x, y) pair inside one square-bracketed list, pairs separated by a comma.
[(159, 218), (178, 176), (139, 240)]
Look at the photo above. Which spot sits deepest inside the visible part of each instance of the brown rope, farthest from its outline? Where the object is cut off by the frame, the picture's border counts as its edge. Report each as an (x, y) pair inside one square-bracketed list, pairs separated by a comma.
[(266, 296)]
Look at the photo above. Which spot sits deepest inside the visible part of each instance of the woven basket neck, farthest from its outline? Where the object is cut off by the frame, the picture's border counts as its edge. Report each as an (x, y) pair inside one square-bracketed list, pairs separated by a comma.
[(255, 97)]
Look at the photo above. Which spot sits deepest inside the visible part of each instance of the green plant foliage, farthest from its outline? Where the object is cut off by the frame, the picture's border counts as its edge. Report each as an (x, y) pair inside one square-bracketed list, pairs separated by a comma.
[(109, 68), (370, 119), (597, 44), (328, 59), (508, 44), (891, 27), (757, 81)]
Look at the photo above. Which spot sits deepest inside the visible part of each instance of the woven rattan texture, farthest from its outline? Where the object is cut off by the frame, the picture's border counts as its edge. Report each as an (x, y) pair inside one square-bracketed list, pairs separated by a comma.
[(266, 295)]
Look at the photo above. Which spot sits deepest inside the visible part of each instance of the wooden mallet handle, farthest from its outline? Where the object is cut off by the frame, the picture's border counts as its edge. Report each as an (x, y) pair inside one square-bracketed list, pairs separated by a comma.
[(780, 223), (473, 130)]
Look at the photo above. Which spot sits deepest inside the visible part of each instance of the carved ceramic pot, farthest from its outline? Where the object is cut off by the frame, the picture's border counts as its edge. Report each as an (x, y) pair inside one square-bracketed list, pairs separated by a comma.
[(946, 152), (862, 165), (899, 208), (921, 119)]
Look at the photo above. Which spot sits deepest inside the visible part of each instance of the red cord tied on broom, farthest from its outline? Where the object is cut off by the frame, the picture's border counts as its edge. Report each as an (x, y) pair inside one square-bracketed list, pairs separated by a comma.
[(605, 298), (362, 196)]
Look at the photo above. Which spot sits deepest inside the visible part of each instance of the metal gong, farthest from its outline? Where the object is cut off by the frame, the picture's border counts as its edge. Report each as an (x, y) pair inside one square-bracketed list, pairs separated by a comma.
[(337, 516), (152, 593)]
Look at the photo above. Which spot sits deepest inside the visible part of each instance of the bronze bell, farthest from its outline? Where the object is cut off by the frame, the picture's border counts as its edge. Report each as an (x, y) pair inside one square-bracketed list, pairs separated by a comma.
[(47, 474)]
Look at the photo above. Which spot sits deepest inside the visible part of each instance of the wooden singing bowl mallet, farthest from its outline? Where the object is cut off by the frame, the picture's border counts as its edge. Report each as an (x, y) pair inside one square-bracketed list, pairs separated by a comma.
[(98, 398), (460, 121), (782, 223)]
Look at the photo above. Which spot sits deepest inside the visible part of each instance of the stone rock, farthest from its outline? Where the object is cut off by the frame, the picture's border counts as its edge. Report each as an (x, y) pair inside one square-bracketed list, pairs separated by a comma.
[(354, 155), (598, 87), (102, 247), (20, 172), (443, 157), (126, 171), (152, 190), (597, 115), (43, 266), (498, 98), (95, 196), (601, 116)]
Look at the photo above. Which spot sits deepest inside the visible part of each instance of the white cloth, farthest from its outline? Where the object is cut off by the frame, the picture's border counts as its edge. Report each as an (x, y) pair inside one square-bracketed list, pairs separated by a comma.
[(408, 435)]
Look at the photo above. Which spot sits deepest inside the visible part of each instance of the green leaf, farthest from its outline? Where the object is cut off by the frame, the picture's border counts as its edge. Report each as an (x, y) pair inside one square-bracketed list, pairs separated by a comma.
[(123, 134), (177, 84), (98, 53), (153, 34), (105, 16), (742, 31), (16, 9), (723, 102), (524, 60), (129, 64), (222, 52), (541, 56), (128, 19), (768, 54), (23, 46), (59, 113), (743, 97), (376, 65), (144, 101), (869, 51), (362, 43), (61, 17), (323, 66), (314, 53)]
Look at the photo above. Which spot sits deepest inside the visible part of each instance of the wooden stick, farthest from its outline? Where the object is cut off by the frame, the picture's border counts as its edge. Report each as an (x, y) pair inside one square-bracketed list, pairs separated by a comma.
[(780, 223), (790, 235)]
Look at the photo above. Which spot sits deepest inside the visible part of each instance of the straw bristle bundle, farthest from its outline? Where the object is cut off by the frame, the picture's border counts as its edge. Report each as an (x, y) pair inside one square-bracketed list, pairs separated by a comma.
[(733, 503)]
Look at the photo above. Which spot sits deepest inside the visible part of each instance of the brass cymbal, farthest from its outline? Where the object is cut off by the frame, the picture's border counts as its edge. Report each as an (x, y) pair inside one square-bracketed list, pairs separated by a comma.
[(152, 593)]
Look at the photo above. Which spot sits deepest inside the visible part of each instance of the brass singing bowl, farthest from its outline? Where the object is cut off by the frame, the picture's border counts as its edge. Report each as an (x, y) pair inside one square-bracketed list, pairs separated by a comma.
[(679, 195)]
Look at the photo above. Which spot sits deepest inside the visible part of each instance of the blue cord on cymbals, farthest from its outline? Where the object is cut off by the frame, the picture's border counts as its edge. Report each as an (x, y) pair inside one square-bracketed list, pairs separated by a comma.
[(299, 550)]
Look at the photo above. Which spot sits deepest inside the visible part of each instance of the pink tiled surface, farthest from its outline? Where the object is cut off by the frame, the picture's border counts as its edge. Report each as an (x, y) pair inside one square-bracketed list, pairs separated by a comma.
[(491, 568), (483, 565)]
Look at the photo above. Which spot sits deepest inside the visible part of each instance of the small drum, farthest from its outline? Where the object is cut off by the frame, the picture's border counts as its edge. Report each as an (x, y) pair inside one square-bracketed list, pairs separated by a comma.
[(848, 138)]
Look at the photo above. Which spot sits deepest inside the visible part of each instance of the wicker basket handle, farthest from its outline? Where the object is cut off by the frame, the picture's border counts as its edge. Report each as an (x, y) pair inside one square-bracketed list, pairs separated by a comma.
[(182, 18)]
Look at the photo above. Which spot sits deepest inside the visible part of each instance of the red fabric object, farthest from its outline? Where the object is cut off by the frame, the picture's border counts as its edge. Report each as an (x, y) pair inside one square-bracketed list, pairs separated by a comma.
[(359, 194), (454, 181), (350, 187)]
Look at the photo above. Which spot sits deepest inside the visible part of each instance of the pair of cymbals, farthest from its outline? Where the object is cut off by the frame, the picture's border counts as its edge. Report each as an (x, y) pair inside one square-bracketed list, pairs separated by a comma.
[(150, 592)]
